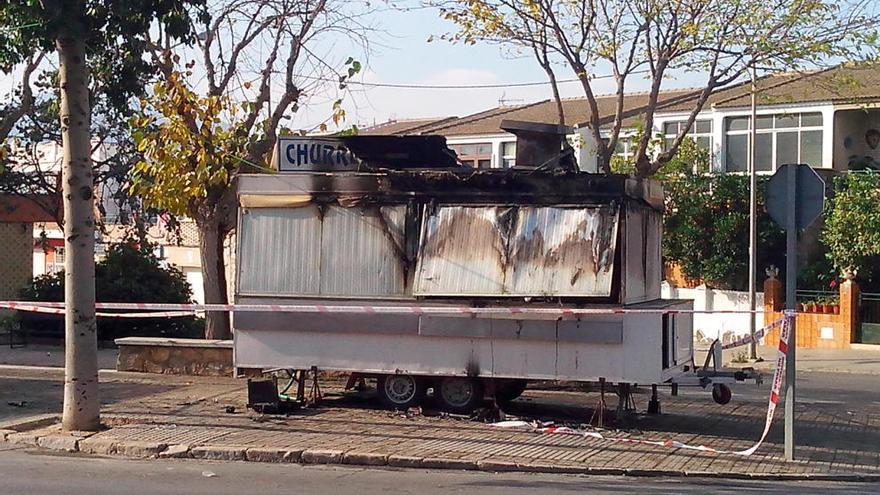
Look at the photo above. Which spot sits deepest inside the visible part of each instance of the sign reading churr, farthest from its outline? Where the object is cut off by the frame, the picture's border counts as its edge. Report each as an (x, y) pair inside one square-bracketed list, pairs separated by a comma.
[(295, 154)]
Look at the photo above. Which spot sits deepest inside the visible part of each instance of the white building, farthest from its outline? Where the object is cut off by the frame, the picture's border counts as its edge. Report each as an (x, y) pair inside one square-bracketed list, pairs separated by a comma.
[(820, 118)]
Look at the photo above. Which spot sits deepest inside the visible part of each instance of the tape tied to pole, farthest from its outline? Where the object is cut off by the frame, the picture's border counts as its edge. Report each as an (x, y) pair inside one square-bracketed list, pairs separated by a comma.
[(772, 403), (748, 339)]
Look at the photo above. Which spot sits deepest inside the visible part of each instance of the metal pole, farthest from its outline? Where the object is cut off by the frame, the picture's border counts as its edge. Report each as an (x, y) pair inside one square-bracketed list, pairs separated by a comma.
[(753, 219), (791, 233)]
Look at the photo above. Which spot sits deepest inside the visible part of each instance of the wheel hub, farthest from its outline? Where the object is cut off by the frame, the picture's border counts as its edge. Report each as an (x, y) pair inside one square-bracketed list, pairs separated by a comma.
[(400, 388), (457, 392)]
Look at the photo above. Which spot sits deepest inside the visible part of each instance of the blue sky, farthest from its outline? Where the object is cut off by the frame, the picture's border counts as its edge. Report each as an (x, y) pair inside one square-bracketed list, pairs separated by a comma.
[(404, 55)]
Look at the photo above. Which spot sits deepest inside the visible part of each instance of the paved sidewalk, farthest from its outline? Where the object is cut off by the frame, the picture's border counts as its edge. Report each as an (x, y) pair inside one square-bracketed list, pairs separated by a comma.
[(175, 417), (49, 355), (863, 360)]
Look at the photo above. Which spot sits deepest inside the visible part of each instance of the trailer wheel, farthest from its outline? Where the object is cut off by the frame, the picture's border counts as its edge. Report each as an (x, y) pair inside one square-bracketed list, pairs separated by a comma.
[(507, 391), (460, 395), (721, 393), (400, 391)]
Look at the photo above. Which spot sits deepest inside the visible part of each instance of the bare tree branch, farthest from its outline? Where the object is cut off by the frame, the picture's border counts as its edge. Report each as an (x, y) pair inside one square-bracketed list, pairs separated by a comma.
[(14, 112), (719, 39)]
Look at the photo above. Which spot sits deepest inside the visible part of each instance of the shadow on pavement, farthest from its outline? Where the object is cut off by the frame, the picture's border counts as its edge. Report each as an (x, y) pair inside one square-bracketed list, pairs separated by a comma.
[(21, 397)]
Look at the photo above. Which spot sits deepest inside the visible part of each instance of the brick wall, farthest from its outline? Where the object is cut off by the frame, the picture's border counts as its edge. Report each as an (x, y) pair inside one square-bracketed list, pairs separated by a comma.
[(815, 330), (17, 265), (674, 275)]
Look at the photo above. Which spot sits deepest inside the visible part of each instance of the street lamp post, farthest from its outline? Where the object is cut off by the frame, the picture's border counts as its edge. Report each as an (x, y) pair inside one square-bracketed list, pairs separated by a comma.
[(753, 219)]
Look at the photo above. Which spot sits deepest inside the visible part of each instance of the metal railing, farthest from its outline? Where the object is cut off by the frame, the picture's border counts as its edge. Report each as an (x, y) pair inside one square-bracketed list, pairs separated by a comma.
[(805, 296), (869, 304)]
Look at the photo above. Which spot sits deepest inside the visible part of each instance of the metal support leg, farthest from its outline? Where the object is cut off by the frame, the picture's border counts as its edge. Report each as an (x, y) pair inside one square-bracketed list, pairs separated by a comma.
[(301, 386), (315, 396), (601, 406), (654, 403), (625, 403)]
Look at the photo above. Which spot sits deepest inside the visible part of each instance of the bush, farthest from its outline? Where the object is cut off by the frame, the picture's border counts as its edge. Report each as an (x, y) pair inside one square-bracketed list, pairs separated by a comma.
[(129, 273), (706, 229), (852, 227)]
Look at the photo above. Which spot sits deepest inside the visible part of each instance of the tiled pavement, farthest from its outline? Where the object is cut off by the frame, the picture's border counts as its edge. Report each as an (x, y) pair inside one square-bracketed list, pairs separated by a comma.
[(190, 419)]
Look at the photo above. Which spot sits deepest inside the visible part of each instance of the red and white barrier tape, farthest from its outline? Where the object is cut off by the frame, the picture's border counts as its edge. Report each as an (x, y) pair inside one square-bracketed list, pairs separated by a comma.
[(32, 308), (771, 410), (759, 334), (177, 309)]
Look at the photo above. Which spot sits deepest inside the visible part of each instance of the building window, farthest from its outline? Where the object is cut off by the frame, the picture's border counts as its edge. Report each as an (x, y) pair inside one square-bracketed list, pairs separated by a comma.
[(700, 132), (508, 154), (780, 139), (477, 155), (625, 148), (55, 263)]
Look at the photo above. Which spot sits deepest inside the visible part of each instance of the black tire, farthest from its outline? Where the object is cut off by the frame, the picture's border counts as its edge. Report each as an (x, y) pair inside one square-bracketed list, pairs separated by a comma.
[(459, 394), (400, 391), (721, 393), (508, 390)]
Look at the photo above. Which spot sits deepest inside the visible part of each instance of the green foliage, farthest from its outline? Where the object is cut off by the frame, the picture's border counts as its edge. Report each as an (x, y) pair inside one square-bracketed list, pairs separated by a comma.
[(820, 274), (191, 151), (852, 226), (688, 160), (115, 33), (130, 272), (706, 229)]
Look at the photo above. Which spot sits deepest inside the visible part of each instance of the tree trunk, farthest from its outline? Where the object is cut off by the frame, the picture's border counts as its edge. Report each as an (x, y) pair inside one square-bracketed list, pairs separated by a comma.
[(81, 402), (211, 237)]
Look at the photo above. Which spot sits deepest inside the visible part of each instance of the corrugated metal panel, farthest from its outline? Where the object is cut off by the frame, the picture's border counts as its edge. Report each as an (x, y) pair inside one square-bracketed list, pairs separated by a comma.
[(297, 251), (634, 256), (563, 251), (281, 251), (653, 256), (520, 251), (357, 254), (463, 251)]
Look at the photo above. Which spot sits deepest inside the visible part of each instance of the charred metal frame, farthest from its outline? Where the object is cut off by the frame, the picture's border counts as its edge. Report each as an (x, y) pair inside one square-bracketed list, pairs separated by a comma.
[(423, 190)]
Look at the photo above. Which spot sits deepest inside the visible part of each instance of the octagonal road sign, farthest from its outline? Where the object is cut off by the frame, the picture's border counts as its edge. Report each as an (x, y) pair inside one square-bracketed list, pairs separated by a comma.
[(808, 194)]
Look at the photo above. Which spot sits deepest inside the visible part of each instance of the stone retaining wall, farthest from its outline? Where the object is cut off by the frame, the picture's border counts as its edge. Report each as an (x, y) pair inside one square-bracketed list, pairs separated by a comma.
[(175, 356)]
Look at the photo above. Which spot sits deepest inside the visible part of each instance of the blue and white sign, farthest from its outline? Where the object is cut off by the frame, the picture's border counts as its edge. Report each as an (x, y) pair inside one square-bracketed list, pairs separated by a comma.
[(301, 154)]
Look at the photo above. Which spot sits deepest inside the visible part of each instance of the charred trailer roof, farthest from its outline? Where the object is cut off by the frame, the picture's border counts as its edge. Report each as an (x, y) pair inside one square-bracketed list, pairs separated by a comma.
[(539, 146), (486, 186)]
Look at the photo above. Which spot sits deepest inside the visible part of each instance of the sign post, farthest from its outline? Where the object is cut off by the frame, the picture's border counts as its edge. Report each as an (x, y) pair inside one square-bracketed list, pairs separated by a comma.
[(795, 198)]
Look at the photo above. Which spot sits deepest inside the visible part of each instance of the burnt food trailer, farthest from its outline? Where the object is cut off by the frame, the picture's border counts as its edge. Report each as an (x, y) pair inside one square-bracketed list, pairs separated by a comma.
[(396, 222)]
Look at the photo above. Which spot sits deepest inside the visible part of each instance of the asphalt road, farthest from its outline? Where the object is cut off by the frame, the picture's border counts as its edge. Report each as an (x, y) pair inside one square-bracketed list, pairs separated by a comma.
[(24, 472)]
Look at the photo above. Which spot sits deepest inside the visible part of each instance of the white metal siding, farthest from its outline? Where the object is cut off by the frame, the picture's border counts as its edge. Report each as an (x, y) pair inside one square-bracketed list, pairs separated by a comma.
[(357, 257), (635, 359), (280, 251), (654, 259), (297, 251), (462, 251), (634, 253)]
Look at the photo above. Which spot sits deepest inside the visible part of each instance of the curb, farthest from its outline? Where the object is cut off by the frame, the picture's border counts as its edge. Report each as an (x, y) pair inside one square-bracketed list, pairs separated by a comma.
[(151, 450), (30, 422)]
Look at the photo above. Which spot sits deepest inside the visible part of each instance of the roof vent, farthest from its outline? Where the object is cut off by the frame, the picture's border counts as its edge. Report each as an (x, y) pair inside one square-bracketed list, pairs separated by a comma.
[(541, 146)]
